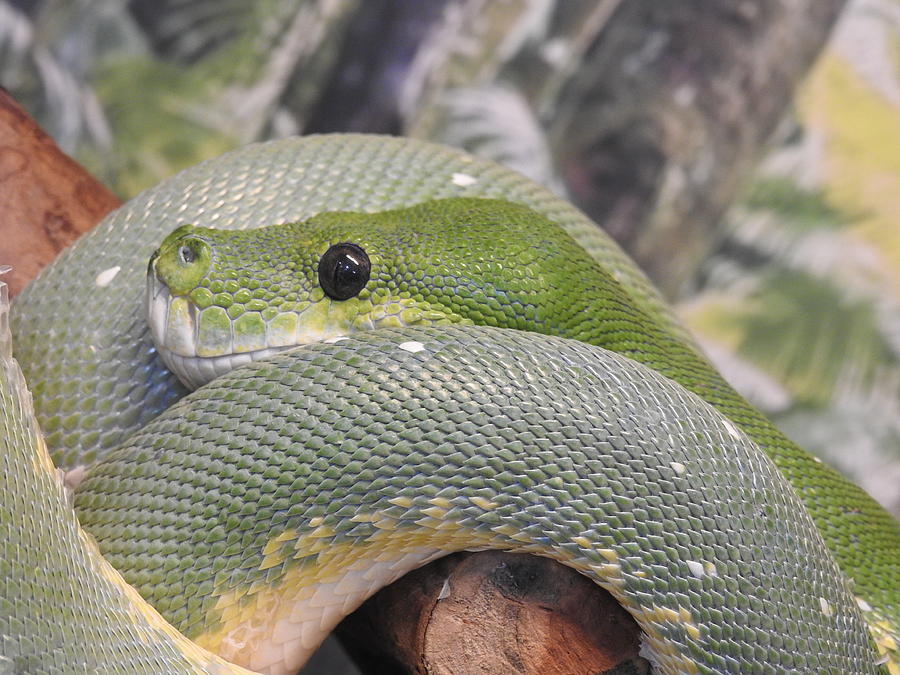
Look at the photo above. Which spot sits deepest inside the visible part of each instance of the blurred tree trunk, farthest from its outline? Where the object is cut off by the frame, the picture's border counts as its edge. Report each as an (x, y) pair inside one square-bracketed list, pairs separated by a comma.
[(652, 112), (669, 114)]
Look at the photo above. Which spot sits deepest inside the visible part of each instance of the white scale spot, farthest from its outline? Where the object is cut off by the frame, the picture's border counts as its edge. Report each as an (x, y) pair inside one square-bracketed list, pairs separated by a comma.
[(678, 467), (445, 590), (106, 276), (463, 179), (73, 477), (412, 346), (863, 605), (335, 339), (826, 608), (732, 430), (697, 569)]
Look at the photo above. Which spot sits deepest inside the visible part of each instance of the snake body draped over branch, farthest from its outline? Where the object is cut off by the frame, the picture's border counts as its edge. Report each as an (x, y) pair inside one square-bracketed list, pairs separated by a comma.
[(258, 510)]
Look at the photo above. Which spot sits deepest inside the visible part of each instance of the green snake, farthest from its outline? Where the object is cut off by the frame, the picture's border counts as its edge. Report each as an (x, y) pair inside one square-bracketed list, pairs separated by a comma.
[(481, 368)]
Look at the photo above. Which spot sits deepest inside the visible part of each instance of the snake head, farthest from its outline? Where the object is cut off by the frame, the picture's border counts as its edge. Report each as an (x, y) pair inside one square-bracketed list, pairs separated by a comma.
[(217, 299), (220, 298), (202, 314)]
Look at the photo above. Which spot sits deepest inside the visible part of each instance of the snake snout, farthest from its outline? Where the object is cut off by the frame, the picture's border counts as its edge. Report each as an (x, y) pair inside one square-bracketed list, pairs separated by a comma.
[(198, 345)]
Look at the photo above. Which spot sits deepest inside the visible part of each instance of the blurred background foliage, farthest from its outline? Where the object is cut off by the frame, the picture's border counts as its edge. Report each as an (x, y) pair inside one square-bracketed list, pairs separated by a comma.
[(804, 288), (793, 290)]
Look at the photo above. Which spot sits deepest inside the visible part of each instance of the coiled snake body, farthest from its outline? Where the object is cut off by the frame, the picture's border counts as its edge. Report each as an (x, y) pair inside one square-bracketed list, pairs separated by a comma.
[(257, 511)]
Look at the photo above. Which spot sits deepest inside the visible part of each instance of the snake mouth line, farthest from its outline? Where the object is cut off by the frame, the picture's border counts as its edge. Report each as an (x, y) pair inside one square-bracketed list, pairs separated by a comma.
[(198, 349), (195, 371)]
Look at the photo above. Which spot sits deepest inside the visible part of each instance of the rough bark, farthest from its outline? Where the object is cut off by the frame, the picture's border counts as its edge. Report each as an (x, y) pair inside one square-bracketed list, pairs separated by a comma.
[(46, 199), (494, 612)]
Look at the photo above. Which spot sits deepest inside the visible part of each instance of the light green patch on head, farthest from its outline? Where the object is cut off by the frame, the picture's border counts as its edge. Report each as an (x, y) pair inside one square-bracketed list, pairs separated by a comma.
[(214, 331)]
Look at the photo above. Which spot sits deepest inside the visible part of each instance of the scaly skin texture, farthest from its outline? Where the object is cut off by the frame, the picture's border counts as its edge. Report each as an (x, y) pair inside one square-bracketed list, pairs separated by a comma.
[(490, 262), (285, 484), (63, 608), (264, 502)]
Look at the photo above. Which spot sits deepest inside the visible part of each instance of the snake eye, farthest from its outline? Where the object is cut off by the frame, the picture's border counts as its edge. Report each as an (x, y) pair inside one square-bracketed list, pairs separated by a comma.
[(190, 250), (182, 260), (344, 271), (186, 255)]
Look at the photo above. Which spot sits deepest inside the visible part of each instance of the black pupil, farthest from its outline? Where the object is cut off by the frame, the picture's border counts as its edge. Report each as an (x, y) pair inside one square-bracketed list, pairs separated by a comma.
[(187, 255), (343, 271)]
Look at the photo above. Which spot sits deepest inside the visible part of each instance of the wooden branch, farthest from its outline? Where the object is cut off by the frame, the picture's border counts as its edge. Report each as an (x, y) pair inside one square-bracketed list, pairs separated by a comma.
[(493, 612), (47, 200)]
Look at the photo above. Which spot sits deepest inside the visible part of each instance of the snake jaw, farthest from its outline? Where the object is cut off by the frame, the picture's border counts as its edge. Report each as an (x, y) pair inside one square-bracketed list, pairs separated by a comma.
[(194, 372)]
